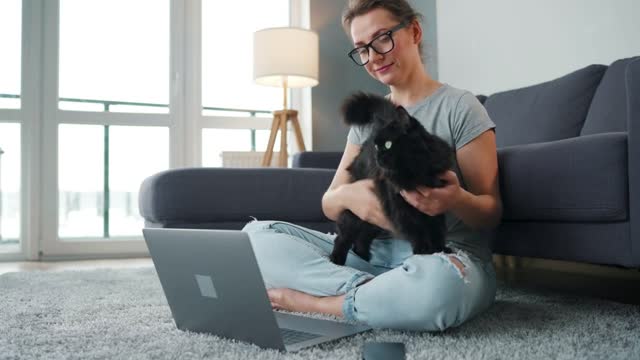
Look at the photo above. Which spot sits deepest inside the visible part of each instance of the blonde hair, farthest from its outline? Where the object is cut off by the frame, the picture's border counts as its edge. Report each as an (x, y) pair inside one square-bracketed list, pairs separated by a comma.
[(399, 9)]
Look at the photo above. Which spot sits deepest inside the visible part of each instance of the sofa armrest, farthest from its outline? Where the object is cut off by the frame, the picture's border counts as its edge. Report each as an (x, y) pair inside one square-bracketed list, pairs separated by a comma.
[(199, 195), (632, 78), (581, 179), (317, 159)]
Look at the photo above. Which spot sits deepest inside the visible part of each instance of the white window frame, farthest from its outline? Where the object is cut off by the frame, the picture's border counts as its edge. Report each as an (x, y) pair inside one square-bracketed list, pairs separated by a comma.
[(52, 246), (39, 117)]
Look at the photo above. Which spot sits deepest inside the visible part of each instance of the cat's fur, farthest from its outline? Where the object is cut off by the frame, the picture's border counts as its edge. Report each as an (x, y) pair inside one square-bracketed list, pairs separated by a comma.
[(399, 155)]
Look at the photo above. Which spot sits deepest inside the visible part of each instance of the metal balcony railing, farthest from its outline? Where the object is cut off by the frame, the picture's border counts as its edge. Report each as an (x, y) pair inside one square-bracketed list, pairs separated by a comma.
[(106, 105)]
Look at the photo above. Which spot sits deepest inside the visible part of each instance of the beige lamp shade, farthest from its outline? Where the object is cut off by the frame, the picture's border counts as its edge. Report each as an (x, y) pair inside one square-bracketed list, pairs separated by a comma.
[(285, 57)]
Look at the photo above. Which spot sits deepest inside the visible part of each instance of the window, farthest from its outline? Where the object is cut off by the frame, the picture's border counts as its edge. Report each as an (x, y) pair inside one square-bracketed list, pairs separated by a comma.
[(227, 77), (10, 25), (108, 102), (9, 183), (227, 53), (122, 72), (114, 55), (10, 127), (99, 178)]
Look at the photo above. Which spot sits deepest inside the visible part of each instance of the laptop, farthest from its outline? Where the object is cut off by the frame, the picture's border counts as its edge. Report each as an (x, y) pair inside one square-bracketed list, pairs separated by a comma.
[(213, 285)]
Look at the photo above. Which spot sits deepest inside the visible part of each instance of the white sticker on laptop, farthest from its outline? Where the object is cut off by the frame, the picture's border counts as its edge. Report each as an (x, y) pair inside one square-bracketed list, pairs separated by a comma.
[(205, 283)]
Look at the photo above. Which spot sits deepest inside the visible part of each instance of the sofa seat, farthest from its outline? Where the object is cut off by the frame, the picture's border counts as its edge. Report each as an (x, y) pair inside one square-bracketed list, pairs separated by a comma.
[(228, 198)]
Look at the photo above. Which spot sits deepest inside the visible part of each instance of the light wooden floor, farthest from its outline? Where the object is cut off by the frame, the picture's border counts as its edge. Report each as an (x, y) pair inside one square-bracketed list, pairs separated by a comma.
[(605, 282), (73, 265)]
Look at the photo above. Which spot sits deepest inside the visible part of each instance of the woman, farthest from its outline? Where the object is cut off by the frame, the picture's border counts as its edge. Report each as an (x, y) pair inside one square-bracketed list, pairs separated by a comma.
[(397, 289)]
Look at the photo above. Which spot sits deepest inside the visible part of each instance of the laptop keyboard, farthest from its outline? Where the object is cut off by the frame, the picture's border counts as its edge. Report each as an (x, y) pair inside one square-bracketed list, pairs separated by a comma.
[(293, 336)]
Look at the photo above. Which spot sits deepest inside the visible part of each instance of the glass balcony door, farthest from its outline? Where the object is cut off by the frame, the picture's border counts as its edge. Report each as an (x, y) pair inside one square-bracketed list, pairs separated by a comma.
[(109, 116), (109, 93), (11, 117)]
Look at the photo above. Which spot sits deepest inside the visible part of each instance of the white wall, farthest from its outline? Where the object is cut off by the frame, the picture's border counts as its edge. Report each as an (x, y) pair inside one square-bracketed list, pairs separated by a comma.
[(493, 45)]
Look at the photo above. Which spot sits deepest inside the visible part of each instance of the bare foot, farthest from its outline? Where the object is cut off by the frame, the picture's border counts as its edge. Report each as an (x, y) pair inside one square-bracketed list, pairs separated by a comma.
[(292, 300), (297, 301)]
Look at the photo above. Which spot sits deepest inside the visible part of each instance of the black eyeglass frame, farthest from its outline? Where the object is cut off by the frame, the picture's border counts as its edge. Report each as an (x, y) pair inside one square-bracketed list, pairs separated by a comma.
[(369, 45)]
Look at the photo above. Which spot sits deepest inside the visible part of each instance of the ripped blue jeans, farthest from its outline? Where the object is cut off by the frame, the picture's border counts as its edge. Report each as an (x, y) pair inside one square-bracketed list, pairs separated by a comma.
[(395, 289)]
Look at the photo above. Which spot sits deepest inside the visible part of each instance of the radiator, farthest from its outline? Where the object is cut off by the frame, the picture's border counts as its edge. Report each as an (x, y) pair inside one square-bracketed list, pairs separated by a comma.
[(246, 159)]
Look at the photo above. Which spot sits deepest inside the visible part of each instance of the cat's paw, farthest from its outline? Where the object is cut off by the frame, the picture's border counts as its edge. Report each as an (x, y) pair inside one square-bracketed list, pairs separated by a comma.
[(364, 254), (422, 249), (338, 259)]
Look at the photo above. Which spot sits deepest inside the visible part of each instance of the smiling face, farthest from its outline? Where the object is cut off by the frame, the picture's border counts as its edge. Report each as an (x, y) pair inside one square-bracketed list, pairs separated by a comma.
[(396, 66)]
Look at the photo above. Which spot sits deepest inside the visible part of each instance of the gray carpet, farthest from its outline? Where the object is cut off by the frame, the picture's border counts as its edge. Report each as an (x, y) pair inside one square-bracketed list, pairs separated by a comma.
[(123, 314)]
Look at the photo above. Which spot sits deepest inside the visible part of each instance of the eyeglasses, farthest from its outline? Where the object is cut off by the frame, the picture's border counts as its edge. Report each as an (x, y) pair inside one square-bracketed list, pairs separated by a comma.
[(381, 44)]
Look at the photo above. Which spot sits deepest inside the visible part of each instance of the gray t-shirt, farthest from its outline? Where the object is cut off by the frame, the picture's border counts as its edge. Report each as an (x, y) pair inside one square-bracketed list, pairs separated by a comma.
[(457, 117)]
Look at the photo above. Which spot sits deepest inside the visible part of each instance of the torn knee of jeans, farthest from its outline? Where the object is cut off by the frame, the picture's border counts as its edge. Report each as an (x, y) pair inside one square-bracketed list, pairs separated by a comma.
[(457, 261), (458, 264)]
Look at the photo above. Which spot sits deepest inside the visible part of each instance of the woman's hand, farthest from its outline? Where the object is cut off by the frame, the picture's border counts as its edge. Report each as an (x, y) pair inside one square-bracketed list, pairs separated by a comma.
[(435, 201), (364, 203)]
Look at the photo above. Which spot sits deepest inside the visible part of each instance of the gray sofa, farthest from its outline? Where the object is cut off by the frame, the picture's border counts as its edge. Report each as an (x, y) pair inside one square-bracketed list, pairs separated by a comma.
[(569, 157)]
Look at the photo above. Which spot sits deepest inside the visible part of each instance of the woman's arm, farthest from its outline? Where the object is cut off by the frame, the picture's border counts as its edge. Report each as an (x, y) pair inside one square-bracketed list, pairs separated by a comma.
[(358, 196), (480, 206), (332, 200)]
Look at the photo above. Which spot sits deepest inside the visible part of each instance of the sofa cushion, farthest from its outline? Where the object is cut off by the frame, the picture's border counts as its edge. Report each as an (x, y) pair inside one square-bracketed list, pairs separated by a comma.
[(608, 110), (549, 111), (572, 180), (205, 195), (317, 159)]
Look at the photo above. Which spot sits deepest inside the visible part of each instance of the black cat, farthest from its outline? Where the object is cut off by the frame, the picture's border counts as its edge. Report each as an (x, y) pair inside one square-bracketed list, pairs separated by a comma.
[(399, 155)]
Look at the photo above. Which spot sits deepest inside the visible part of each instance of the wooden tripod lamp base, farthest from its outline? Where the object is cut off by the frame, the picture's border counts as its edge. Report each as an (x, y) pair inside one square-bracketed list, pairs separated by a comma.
[(292, 66), (280, 119)]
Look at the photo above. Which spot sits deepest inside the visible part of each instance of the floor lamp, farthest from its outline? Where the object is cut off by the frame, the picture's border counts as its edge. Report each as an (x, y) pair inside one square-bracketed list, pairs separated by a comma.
[(285, 57)]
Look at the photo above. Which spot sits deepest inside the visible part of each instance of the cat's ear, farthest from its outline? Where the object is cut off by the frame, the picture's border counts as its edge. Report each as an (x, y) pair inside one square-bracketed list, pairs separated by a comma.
[(403, 117), (359, 108)]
